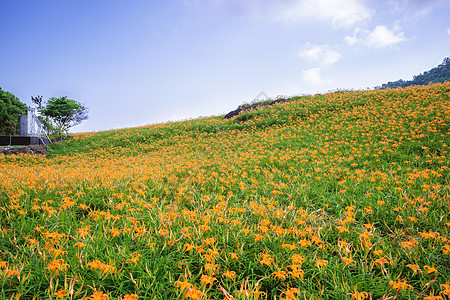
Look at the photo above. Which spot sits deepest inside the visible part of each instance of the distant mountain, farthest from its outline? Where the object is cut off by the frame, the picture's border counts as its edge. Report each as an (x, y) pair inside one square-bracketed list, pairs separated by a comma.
[(440, 73)]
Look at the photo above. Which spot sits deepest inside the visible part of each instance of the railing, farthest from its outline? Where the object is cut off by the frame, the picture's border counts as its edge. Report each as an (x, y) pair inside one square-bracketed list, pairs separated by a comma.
[(14, 140)]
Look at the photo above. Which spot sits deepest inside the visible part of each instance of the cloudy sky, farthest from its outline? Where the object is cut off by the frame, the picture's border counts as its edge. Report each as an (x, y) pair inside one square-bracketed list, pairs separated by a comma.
[(140, 62)]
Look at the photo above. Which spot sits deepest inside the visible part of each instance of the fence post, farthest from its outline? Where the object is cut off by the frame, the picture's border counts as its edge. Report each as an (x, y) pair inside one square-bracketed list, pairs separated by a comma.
[(23, 121)]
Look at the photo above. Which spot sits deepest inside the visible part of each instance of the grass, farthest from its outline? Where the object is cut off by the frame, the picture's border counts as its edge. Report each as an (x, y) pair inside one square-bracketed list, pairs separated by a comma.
[(12, 146), (261, 102), (344, 195)]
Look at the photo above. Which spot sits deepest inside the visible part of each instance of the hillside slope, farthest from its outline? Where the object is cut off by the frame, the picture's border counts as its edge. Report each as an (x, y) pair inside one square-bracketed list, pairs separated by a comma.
[(330, 196)]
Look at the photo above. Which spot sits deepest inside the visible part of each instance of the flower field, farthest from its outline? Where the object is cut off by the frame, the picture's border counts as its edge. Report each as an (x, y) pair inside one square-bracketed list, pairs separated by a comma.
[(344, 195)]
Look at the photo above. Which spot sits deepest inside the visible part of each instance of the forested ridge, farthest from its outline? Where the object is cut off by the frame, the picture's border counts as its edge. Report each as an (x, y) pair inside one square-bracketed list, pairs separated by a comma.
[(441, 73)]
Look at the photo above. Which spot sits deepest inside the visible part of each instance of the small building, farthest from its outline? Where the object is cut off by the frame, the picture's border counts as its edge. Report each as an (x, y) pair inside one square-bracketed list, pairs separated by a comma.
[(31, 131)]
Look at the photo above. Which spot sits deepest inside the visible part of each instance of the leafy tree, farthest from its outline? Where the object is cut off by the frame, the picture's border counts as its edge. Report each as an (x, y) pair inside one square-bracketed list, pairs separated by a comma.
[(10, 109), (58, 115)]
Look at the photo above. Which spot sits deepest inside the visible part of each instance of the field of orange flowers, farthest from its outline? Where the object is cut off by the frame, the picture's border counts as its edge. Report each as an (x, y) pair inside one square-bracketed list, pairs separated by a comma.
[(344, 195)]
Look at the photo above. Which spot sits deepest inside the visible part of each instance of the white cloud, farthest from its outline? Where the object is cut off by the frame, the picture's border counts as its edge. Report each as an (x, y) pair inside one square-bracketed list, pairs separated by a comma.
[(414, 8), (340, 12), (352, 40), (322, 53), (313, 76), (380, 37), (448, 31)]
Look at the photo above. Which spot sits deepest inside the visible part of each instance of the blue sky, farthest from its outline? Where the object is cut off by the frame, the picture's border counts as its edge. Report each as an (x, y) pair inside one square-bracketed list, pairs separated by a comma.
[(139, 62)]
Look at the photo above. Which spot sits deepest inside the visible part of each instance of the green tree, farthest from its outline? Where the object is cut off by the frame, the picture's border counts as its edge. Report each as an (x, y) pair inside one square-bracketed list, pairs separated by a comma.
[(60, 114), (57, 115), (10, 109)]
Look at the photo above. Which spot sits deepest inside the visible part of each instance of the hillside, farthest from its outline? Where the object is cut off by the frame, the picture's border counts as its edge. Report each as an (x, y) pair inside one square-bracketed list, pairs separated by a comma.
[(438, 74), (335, 196)]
